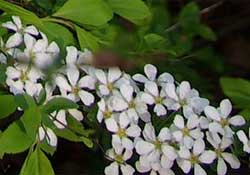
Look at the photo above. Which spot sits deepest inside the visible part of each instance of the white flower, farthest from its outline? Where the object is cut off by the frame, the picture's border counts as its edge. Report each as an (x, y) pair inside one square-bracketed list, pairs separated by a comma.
[(78, 58), (123, 131), (119, 157), (59, 117), (221, 120), (188, 159), (155, 149), (22, 78), (39, 52), (220, 145), (187, 133), (245, 140), (152, 96), (16, 26), (151, 74), (73, 87), (109, 81), (185, 97), (48, 134)]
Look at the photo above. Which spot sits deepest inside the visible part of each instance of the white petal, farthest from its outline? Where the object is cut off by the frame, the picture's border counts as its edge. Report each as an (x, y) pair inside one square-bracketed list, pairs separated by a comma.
[(232, 160), (179, 121), (140, 78), (52, 139), (133, 131), (164, 134), (143, 148), (184, 153), (103, 90), (61, 117), (169, 151), (160, 110), (71, 55), (185, 165), (101, 76), (166, 162), (114, 74), (86, 97), (10, 25), (212, 113), (14, 40), (73, 75), (225, 108), (184, 89), (188, 142), (178, 135), (193, 121), (112, 169), (31, 30), (242, 137), (207, 157), (17, 21), (127, 92), (41, 133), (199, 147), (147, 98), (221, 167), (127, 169), (62, 83), (111, 125), (171, 91), (13, 73), (142, 168), (215, 127), (117, 103), (124, 121), (87, 82), (152, 88), (166, 78), (237, 120), (76, 114), (198, 170), (150, 71), (29, 41), (149, 132), (127, 143)]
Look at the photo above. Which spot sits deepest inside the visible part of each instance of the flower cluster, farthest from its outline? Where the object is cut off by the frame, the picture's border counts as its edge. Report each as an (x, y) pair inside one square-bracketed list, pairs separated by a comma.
[(199, 135)]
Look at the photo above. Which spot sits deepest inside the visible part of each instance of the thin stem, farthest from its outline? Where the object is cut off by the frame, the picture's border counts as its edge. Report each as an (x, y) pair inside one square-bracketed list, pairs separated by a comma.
[(60, 21)]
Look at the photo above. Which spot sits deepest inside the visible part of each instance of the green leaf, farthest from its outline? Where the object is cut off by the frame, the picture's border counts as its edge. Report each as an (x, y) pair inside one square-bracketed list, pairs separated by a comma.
[(8, 105), (246, 114), (25, 101), (87, 142), (57, 32), (86, 39), (238, 90), (58, 103), (86, 12), (154, 41), (31, 120), (26, 15), (189, 17), (37, 164), (133, 10), (14, 140), (2, 73), (206, 32)]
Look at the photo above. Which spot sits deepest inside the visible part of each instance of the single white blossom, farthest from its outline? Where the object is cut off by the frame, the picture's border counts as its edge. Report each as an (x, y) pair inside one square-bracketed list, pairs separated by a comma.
[(245, 140)]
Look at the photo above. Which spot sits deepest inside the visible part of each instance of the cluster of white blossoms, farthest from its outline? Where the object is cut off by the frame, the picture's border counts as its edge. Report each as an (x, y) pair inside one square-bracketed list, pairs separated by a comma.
[(200, 134)]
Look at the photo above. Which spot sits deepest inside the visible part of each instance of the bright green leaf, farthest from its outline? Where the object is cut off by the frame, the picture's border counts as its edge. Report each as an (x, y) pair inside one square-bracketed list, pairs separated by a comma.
[(246, 114), (37, 164), (86, 39), (238, 90), (25, 101), (14, 140), (8, 105), (154, 40), (31, 120), (133, 10), (86, 12), (58, 103)]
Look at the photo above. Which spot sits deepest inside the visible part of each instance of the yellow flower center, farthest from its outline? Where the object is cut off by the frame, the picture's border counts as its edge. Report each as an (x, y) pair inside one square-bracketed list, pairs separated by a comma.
[(218, 152), (224, 122), (131, 104), (194, 159), (185, 131), (107, 114), (158, 100), (119, 159), (121, 132), (110, 86), (75, 90), (24, 76), (157, 144)]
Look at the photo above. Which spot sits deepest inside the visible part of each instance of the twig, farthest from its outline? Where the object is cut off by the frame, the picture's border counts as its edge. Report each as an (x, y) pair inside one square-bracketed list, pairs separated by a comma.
[(202, 12)]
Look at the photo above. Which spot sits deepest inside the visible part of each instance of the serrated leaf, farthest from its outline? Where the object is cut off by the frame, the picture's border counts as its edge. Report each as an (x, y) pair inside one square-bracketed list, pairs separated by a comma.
[(58, 103), (14, 139), (86, 39), (135, 11), (86, 12), (37, 164), (7, 104), (238, 90)]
